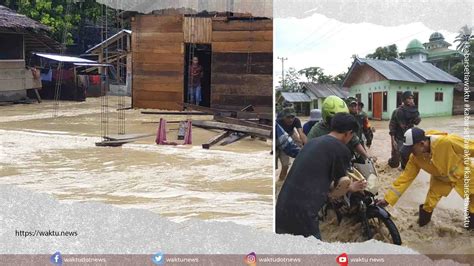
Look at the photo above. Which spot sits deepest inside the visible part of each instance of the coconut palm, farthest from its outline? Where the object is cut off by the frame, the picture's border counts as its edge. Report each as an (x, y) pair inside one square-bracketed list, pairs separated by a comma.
[(464, 37)]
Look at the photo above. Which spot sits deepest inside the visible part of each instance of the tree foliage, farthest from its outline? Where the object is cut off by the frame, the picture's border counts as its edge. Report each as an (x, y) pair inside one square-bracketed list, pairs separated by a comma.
[(458, 69), (464, 37), (64, 17), (385, 53), (292, 78)]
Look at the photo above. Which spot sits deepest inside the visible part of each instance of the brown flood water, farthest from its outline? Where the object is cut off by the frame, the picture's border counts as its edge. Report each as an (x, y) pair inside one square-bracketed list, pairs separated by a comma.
[(58, 156), (444, 234)]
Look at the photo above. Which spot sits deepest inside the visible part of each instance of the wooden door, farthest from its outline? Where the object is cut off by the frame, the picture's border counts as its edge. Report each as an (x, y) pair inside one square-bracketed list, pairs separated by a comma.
[(377, 106), (158, 62)]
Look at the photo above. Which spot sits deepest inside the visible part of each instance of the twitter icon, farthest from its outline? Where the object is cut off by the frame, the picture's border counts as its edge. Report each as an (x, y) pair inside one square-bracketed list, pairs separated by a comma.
[(158, 258)]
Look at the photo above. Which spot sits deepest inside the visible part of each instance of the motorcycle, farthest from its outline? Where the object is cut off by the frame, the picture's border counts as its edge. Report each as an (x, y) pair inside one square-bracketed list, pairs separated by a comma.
[(376, 222)]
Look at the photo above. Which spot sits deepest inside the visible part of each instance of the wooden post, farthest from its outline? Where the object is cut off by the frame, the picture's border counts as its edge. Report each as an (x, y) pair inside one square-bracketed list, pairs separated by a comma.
[(216, 139)]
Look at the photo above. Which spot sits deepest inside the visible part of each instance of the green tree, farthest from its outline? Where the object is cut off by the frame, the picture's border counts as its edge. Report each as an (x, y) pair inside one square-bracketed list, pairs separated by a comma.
[(385, 53), (312, 74), (316, 74), (64, 17), (464, 37), (458, 69), (292, 78), (339, 78)]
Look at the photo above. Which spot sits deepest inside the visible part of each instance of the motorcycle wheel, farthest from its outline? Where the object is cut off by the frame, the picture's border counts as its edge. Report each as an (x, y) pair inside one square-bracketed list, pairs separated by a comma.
[(383, 228)]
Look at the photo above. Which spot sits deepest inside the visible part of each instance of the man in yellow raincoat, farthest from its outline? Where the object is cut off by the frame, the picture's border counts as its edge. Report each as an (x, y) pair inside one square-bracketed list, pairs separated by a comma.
[(441, 155)]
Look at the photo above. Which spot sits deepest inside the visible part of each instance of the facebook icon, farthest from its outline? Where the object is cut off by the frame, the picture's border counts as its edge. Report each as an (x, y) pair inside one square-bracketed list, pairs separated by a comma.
[(56, 259)]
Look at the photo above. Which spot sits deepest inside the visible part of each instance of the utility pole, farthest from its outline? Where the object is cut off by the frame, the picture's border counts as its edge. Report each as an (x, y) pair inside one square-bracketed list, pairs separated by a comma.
[(283, 70)]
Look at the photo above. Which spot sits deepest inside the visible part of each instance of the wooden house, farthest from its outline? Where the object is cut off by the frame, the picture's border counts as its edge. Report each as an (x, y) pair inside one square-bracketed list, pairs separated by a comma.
[(19, 36), (234, 51)]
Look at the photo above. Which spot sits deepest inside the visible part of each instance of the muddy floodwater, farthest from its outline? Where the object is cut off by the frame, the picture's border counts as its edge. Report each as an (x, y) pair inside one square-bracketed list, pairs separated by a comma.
[(444, 234), (57, 155)]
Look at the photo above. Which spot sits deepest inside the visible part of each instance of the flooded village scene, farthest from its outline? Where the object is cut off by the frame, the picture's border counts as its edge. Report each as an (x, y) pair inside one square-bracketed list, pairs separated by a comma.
[(145, 107), (180, 127), (371, 69)]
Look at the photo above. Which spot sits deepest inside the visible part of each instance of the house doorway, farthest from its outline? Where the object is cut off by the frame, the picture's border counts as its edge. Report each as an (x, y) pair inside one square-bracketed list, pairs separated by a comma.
[(203, 52), (377, 106)]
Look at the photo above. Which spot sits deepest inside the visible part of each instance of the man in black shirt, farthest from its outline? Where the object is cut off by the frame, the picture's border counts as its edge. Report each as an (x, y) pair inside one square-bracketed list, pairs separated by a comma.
[(289, 122), (403, 118), (322, 160)]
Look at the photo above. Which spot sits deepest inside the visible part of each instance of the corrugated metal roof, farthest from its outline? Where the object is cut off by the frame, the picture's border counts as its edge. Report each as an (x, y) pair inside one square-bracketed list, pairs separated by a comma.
[(324, 90), (295, 97), (391, 70), (428, 71), (110, 39), (65, 59)]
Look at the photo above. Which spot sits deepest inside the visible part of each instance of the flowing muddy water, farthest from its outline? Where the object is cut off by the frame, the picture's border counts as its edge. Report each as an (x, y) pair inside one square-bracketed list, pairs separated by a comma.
[(59, 156), (444, 234)]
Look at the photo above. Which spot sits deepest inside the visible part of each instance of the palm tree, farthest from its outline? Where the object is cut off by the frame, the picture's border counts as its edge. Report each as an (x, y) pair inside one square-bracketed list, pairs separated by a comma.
[(464, 37)]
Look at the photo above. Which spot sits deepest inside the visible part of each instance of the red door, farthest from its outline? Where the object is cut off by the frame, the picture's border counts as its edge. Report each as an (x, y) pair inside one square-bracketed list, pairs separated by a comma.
[(377, 104)]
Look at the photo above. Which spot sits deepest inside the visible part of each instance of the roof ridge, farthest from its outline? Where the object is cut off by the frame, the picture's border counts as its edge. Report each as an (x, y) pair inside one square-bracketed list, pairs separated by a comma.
[(401, 63)]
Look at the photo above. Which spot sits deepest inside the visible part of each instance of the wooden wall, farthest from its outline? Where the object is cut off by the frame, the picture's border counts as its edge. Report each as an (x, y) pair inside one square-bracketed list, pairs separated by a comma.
[(197, 30), (158, 64), (242, 58), (242, 64), (12, 75)]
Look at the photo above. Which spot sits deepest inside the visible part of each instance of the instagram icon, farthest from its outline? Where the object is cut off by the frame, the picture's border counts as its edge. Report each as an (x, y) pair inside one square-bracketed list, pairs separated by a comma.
[(251, 259)]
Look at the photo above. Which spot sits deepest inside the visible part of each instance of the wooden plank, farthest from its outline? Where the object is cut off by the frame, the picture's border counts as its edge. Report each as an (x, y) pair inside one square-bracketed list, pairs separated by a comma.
[(155, 104), (166, 38), (157, 96), (243, 68), (160, 79), (241, 58), (144, 85), (161, 48), (242, 25), (156, 72), (158, 23), (173, 113), (6, 74), (241, 122), (128, 136), (244, 89), (235, 36), (249, 79), (242, 47), (212, 111), (216, 139), (197, 30), (150, 58), (12, 84), (219, 125), (158, 66), (12, 64), (234, 138), (241, 100)]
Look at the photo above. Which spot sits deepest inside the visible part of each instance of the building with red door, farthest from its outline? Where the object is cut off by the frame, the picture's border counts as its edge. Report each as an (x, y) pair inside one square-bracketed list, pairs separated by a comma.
[(379, 84)]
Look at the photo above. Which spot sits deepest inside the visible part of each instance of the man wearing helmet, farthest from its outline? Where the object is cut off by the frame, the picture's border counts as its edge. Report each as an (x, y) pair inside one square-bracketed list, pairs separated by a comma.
[(331, 106), (322, 161)]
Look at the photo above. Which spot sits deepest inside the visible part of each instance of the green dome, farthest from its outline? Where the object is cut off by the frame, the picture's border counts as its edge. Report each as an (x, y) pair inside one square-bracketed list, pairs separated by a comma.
[(414, 45), (436, 36)]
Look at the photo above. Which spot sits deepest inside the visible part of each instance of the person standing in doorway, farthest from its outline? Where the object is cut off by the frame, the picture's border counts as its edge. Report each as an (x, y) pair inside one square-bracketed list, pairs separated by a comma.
[(194, 87)]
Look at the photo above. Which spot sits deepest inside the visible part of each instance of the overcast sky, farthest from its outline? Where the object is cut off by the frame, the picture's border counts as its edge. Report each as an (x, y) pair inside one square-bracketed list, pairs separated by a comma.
[(329, 43)]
